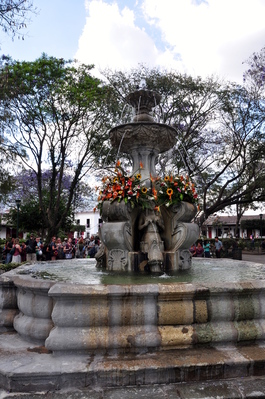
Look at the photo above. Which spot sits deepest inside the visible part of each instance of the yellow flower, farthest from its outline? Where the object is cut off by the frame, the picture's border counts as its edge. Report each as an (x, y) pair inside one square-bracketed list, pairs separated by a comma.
[(144, 190), (138, 176), (166, 178)]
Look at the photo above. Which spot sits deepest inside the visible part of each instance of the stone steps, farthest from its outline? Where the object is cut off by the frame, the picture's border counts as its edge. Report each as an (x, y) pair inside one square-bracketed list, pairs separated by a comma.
[(28, 368)]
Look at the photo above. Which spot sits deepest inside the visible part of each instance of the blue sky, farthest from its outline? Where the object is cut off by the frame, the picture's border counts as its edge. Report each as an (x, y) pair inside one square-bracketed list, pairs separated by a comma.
[(200, 37), (55, 30)]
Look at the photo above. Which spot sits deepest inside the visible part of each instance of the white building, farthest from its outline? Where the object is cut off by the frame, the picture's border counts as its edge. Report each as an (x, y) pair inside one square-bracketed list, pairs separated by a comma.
[(5, 229), (91, 220)]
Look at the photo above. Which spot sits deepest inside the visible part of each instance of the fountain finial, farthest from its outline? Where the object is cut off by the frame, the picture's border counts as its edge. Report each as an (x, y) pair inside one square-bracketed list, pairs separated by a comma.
[(143, 101)]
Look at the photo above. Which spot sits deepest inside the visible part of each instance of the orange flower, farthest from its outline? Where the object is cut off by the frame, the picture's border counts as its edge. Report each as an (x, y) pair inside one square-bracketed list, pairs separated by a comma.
[(154, 191), (169, 192), (141, 165), (118, 163)]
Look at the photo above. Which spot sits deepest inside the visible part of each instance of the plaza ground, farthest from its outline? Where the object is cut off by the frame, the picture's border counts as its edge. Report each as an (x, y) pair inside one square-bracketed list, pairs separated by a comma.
[(253, 256)]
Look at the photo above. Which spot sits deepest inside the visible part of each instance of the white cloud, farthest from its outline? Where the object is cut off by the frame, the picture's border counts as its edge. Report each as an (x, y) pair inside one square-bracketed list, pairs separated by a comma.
[(111, 38), (213, 37)]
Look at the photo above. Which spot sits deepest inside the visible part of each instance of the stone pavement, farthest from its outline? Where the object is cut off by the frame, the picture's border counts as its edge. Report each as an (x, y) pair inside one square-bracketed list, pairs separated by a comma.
[(250, 256), (228, 389)]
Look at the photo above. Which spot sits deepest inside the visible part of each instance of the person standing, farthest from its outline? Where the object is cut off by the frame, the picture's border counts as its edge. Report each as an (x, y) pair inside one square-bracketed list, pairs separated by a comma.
[(23, 252), (8, 247), (46, 250), (81, 247), (31, 249), (218, 247), (16, 258), (207, 247), (60, 249), (53, 248), (68, 249), (39, 249)]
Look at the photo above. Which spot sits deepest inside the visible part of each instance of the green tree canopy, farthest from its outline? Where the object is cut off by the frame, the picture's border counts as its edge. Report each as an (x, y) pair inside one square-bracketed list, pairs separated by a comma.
[(57, 114)]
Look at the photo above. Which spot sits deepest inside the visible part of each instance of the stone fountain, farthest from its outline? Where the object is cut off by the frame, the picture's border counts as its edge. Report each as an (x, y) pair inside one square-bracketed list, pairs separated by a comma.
[(56, 333), (135, 239)]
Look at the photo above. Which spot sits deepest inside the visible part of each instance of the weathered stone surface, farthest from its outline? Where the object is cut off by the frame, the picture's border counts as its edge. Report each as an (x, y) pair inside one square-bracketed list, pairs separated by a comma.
[(173, 336), (25, 368), (175, 312), (34, 320), (8, 303)]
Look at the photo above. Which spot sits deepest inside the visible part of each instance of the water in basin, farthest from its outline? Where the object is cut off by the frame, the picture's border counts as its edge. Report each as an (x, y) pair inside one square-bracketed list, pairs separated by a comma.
[(203, 271)]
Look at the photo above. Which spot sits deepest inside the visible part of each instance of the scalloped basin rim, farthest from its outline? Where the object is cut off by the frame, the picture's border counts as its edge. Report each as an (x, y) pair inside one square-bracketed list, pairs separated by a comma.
[(140, 123)]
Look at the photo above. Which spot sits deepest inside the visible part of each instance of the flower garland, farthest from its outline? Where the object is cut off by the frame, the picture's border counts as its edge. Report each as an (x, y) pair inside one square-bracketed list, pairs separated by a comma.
[(130, 189), (174, 189), (121, 187)]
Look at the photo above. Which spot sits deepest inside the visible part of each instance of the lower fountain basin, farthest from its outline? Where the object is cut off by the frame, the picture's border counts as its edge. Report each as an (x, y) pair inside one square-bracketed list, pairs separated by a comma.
[(70, 306), (83, 271)]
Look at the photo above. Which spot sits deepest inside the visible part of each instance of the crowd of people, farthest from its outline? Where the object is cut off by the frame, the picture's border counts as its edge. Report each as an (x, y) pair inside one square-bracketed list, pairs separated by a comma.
[(33, 249), (206, 250)]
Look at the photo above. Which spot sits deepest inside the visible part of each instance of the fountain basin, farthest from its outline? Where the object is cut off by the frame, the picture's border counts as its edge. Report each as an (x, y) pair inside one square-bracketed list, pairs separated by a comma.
[(155, 315)]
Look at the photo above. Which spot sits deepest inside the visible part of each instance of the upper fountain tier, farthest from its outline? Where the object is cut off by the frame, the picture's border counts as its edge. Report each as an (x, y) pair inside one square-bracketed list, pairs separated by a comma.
[(143, 132)]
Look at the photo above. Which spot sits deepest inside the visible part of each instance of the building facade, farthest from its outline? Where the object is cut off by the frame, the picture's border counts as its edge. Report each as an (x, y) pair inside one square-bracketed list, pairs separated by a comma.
[(225, 226), (91, 220)]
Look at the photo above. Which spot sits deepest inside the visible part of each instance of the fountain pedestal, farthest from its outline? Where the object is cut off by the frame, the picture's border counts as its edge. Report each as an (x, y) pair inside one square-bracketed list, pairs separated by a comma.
[(133, 239)]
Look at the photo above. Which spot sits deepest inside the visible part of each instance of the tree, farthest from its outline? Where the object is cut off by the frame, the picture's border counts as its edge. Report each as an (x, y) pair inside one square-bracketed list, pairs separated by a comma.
[(14, 16), (220, 134), (254, 76), (30, 215), (58, 116), (7, 154)]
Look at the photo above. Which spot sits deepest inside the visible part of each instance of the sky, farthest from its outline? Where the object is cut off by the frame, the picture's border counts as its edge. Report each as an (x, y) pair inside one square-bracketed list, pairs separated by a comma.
[(197, 37)]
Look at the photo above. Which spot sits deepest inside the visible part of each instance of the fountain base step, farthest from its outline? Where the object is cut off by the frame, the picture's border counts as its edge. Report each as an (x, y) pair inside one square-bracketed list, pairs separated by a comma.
[(28, 368)]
